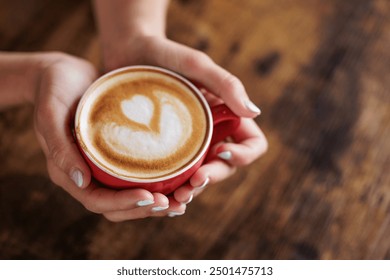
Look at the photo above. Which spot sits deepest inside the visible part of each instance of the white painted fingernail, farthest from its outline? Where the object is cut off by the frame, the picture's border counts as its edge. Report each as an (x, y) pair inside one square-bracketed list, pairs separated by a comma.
[(226, 155), (205, 183), (190, 199), (252, 107), (77, 178), (160, 208), (174, 214), (145, 202)]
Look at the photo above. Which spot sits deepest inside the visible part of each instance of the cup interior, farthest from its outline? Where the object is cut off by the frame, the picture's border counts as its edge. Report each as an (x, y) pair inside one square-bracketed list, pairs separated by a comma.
[(110, 79)]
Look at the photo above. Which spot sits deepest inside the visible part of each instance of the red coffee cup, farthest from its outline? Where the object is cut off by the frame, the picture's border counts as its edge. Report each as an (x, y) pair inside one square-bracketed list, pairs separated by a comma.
[(224, 123)]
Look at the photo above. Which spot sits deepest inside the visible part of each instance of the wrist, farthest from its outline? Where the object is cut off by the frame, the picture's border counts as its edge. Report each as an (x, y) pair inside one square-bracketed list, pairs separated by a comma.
[(121, 19), (124, 27), (131, 51), (20, 75)]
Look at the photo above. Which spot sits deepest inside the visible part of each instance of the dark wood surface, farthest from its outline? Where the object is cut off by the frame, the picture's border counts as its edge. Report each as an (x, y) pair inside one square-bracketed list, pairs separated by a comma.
[(320, 72)]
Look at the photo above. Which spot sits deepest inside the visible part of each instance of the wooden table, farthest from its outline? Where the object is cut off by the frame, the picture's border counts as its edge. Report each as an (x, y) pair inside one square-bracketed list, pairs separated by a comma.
[(319, 70)]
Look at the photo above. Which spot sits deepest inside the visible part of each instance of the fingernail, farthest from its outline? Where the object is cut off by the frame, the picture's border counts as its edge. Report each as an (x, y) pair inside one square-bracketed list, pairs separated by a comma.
[(226, 155), (190, 199), (145, 202), (159, 208), (174, 214), (205, 183), (252, 107), (77, 178)]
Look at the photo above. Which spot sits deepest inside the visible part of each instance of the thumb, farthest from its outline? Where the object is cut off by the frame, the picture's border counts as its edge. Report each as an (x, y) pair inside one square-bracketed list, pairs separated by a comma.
[(199, 67), (61, 149), (61, 88)]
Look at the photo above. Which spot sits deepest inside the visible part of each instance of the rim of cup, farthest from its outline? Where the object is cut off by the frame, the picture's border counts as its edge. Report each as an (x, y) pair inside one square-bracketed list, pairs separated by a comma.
[(206, 108)]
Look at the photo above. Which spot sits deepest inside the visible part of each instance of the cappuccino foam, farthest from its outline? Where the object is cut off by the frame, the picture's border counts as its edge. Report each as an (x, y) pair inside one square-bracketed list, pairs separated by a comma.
[(143, 124)]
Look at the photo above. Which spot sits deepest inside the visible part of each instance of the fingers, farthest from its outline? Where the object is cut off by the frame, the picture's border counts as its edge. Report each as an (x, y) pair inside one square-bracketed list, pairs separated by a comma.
[(118, 205), (172, 208), (130, 204), (197, 66), (133, 204), (101, 200), (251, 144), (184, 194), (209, 173)]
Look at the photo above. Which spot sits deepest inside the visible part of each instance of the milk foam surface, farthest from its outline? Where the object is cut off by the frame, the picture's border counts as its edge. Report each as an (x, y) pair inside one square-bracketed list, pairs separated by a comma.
[(144, 125), (149, 144)]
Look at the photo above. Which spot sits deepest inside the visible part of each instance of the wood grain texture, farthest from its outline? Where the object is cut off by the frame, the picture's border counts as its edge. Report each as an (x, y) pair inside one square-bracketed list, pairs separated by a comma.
[(318, 69)]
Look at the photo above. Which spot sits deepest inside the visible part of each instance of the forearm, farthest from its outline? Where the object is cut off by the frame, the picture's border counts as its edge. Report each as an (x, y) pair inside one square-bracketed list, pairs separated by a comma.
[(127, 18), (123, 26), (19, 77)]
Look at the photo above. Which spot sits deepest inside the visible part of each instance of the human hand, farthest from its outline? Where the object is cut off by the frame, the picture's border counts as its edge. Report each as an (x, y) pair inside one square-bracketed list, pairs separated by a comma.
[(249, 140), (192, 64), (248, 143), (63, 81)]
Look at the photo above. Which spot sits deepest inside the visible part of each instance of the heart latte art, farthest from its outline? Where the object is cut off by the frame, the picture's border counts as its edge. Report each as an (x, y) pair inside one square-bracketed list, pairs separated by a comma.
[(144, 125), (141, 138)]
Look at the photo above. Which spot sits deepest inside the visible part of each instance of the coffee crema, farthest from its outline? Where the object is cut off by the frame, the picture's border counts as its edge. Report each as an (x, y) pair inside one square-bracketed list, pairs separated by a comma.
[(143, 124)]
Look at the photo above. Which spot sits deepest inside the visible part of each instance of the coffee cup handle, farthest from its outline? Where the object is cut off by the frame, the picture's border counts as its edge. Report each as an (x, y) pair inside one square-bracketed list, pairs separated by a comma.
[(225, 123)]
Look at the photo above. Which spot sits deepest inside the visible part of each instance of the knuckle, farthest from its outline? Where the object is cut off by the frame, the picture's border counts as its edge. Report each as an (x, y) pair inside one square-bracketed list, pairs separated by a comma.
[(253, 152), (196, 60), (65, 64), (53, 174), (112, 218), (265, 146), (233, 169), (43, 113), (244, 161), (231, 83), (53, 57), (59, 155), (55, 61), (59, 58), (91, 206), (58, 55), (262, 146)]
